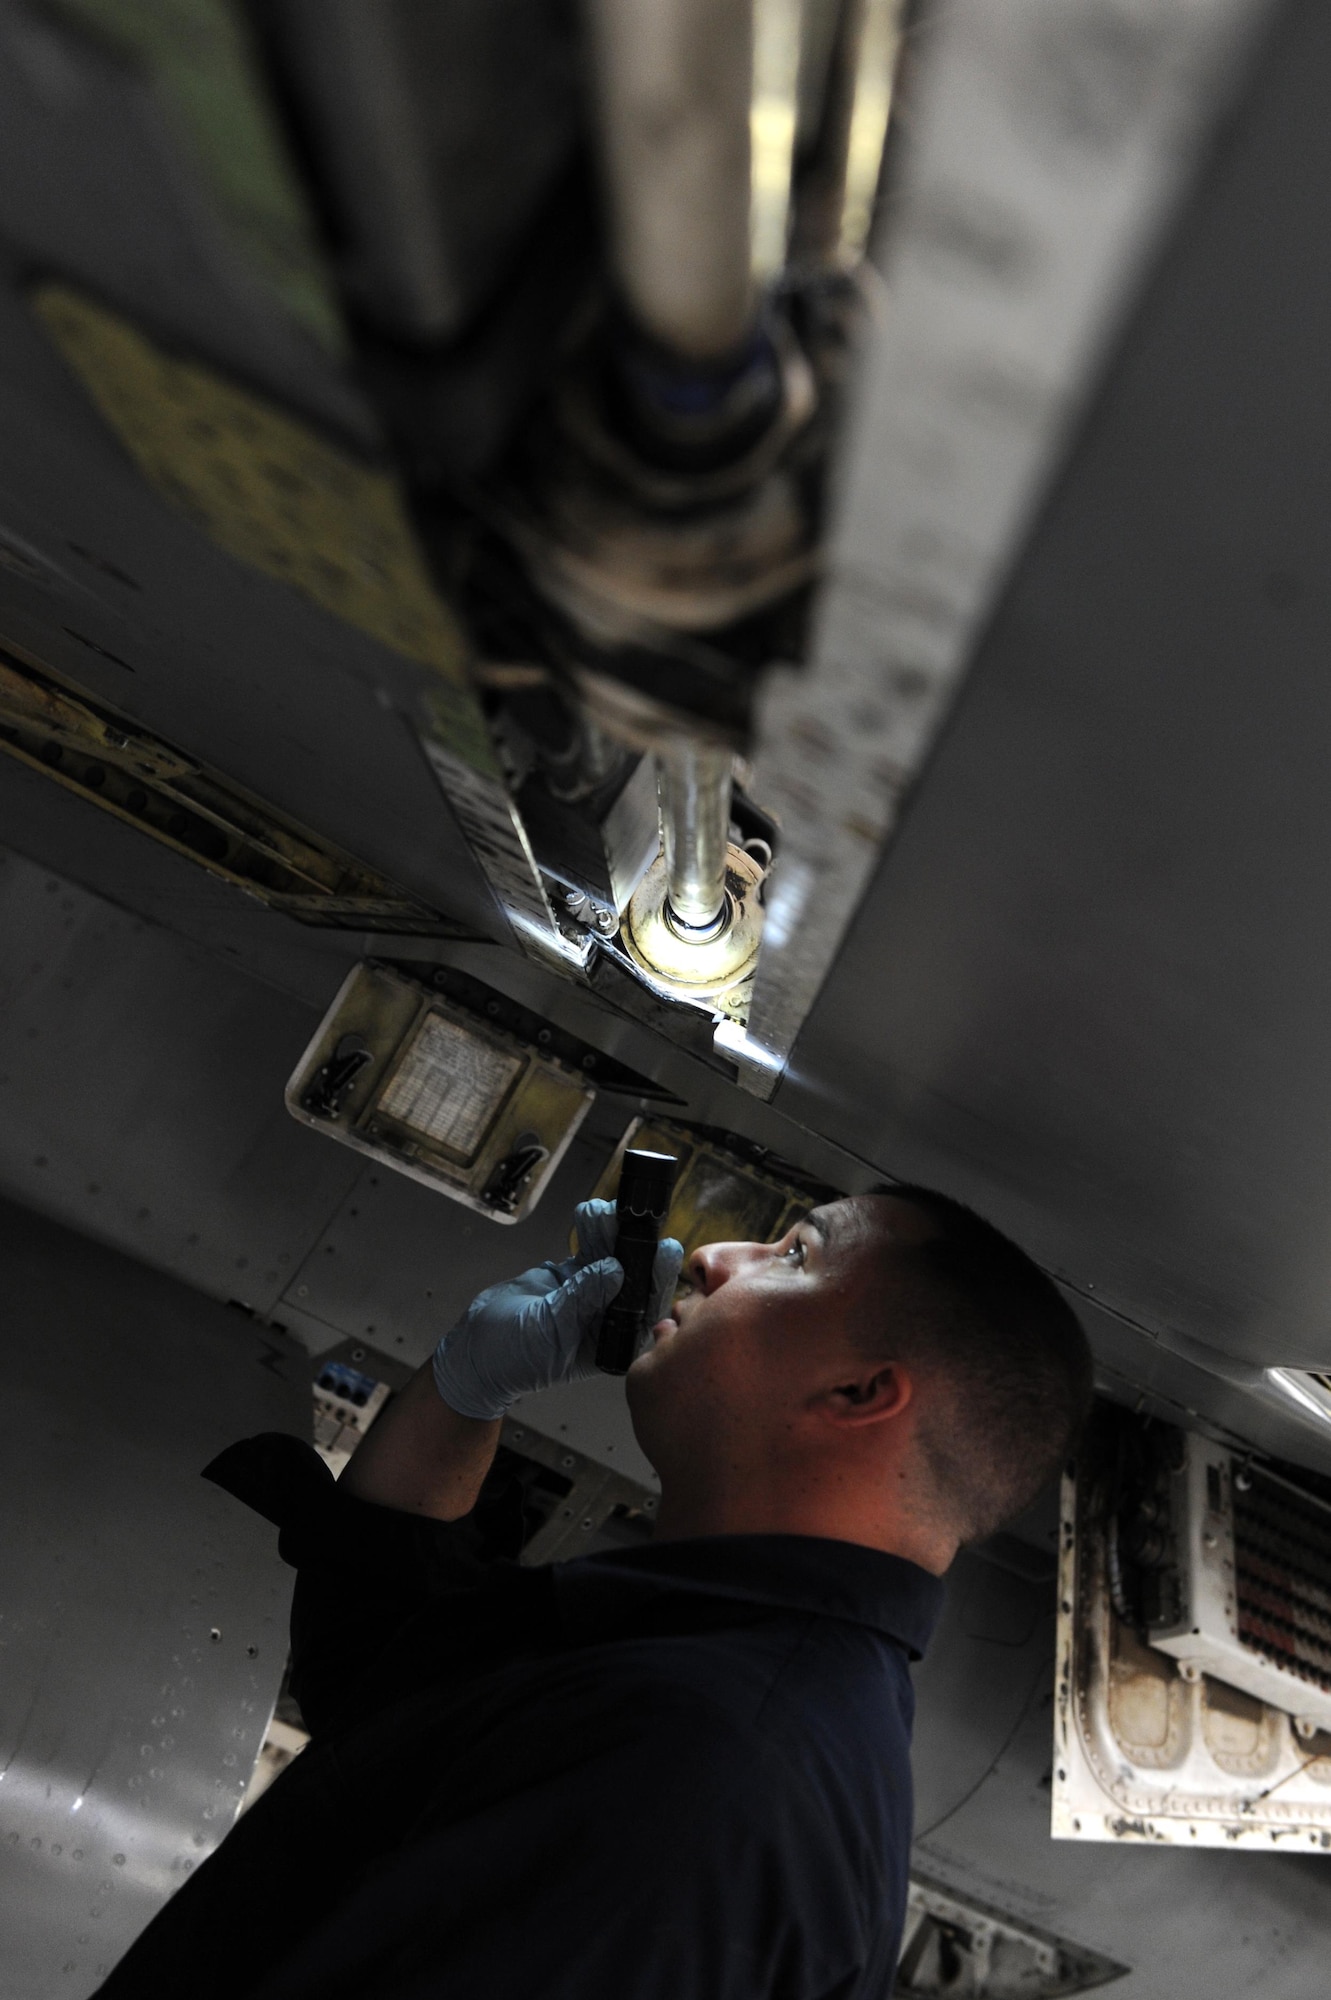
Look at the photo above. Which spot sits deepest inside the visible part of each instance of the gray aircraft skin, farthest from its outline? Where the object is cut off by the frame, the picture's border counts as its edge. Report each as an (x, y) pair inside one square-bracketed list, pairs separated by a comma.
[(1072, 580)]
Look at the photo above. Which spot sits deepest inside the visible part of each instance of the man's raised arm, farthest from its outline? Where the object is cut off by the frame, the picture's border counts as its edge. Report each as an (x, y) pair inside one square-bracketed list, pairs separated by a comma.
[(423, 1457), (430, 1450)]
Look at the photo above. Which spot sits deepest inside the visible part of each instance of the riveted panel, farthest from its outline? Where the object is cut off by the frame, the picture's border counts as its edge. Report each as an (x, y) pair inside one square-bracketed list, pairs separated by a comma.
[(144, 1612)]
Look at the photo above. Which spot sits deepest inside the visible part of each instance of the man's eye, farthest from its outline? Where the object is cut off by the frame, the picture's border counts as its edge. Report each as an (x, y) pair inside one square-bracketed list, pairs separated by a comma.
[(795, 1252)]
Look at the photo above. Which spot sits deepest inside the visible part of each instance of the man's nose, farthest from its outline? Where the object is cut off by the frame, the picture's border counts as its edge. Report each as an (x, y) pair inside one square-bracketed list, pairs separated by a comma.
[(714, 1263)]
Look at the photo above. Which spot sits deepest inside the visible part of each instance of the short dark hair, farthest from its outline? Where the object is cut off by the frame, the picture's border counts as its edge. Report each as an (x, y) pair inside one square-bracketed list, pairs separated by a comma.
[(973, 1306)]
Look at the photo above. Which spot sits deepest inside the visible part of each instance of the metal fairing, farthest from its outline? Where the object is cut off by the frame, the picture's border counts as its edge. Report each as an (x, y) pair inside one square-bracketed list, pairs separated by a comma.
[(1017, 233), (144, 1612), (277, 495), (1086, 990)]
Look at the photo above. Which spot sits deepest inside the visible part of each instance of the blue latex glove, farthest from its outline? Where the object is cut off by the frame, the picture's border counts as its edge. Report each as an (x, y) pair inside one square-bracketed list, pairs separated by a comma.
[(541, 1328)]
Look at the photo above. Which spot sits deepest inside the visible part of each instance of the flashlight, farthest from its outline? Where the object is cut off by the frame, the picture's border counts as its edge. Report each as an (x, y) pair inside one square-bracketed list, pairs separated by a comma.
[(645, 1184)]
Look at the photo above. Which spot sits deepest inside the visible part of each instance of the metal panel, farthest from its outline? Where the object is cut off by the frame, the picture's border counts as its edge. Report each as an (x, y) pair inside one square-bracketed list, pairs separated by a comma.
[(93, 750), (141, 1093), (1090, 988), (70, 838), (591, 1417), (430, 1089), (1043, 149), (1191, 1384), (396, 1267), (1192, 1752), (399, 1262), (301, 709), (296, 705), (951, 1939), (285, 500), (1192, 1925), (144, 1612)]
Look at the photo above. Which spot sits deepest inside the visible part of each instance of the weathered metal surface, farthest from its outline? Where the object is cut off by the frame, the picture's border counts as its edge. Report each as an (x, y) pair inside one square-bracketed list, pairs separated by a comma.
[(1191, 1924), (956, 1944), (143, 1611), (107, 760), (1143, 1754), (1044, 149), (1089, 989), (141, 1094)]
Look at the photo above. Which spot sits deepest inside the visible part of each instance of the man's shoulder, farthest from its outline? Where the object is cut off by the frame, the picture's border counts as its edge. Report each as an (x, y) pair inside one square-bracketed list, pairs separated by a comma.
[(784, 1711), (779, 1673)]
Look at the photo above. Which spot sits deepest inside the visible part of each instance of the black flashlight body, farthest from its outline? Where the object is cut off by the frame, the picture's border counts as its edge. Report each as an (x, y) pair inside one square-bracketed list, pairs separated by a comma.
[(645, 1184)]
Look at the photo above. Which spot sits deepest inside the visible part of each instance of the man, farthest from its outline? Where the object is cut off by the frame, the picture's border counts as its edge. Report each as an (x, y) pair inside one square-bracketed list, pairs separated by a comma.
[(677, 1772)]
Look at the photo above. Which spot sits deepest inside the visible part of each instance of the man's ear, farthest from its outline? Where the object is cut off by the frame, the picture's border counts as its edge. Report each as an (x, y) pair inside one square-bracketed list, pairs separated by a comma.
[(873, 1397)]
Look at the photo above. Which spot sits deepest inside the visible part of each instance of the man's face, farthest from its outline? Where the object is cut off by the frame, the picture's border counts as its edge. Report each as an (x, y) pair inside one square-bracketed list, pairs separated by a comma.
[(763, 1330)]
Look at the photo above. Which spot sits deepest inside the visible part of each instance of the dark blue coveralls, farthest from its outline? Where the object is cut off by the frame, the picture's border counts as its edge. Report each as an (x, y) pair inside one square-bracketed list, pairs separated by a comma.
[(674, 1772)]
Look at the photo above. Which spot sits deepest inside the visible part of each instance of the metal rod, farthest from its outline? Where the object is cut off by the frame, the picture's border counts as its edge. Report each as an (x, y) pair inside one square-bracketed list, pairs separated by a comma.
[(674, 81), (832, 33), (694, 782)]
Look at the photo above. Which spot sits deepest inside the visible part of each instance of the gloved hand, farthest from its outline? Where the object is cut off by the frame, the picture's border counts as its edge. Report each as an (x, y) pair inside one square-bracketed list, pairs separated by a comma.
[(541, 1328)]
